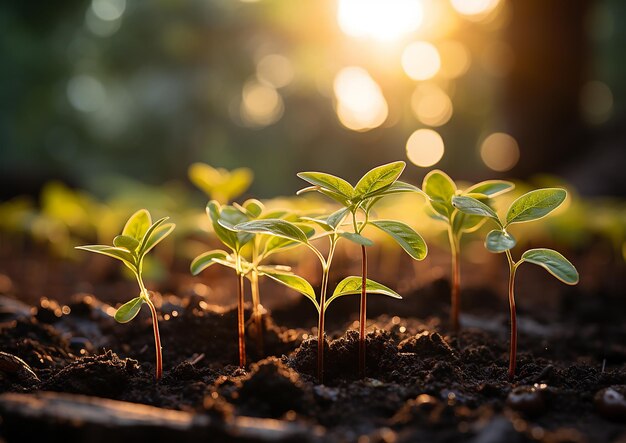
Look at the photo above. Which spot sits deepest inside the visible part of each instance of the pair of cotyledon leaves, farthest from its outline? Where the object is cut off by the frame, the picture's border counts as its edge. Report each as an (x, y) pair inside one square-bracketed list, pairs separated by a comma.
[(138, 237), (440, 189), (531, 206)]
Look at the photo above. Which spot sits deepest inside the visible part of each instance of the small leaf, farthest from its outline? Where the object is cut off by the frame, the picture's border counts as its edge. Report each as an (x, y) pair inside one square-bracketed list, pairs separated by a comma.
[(129, 310), (203, 261), (352, 285), (330, 182), (236, 183), (554, 263), (137, 224), (277, 227), (499, 241), (378, 178), (462, 222), (405, 236), (228, 237), (440, 188), (126, 242), (111, 251), (357, 238), (397, 187), (155, 236), (337, 217), (253, 207), (296, 283), (472, 206), (535, 204), (322, 223), (490, 188)]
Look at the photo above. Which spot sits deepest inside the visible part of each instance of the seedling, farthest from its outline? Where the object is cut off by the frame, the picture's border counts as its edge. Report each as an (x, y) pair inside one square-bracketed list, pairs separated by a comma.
[(441, 188), (138, 237), (360, 200), (530, 206), (283, 230), (220, 184), (251, 268)]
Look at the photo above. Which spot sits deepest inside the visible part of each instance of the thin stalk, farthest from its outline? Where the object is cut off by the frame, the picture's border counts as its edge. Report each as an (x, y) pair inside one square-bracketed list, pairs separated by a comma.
[(455, 296), (256, 301), (155, 326), (256, 311), (320, 324), (240, 318), (363, 312), (513, 342)]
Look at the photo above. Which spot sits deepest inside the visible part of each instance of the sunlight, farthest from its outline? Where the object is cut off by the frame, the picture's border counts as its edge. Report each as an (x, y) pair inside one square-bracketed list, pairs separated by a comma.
[(431, 105), (424, 148), (360, 102), (382, 20), (421, 61), (500, 152)]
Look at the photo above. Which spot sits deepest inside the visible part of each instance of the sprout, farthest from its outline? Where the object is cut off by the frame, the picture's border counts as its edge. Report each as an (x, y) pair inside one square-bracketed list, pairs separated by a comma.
[(440, 189), (220, 184), (360, 200), (530, 206), (138, 237)]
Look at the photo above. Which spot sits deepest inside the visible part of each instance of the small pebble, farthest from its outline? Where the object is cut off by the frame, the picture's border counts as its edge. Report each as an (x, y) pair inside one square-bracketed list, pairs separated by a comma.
[(611, 403), (527, 399)]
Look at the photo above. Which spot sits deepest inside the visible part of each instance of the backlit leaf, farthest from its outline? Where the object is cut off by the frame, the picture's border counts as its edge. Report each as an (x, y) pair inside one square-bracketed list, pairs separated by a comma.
[(126, 242), (296, 283), (330, 182), (378, 178), (440, 188), (352, 285), (129, 310), (472, 206), (405, 236), (490, 188), (357, 238), (554, 263), (499, 241), (203, 261), (535, 204), (277, 227), (137, 224)]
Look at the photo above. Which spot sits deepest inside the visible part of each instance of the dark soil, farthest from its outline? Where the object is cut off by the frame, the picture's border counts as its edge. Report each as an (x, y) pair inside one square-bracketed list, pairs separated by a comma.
[(422, 385)]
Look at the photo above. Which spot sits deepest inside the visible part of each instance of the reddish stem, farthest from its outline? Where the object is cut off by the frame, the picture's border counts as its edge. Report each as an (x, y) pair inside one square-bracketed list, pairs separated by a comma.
[(320, 334), (363, 312), (240, 324), (455, 302), (157, 341), (513, 344)]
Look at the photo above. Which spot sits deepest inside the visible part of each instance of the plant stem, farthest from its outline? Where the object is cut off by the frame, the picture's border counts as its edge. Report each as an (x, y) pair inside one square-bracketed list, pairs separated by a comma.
[(363, 312), (256, 311), (157, 340), (455, 299), (240, 323), (155, 325), (320, 324), (513, 342)]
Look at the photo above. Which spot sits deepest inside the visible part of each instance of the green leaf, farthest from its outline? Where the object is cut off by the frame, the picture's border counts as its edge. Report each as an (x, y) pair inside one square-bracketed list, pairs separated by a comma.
[(337, 217), (397, 187), (440, 188), (499, 241), (330, 182), (137, 224), (253, 207), (203, 261), (554, 263), (462, 222), (378, 178), (236, 183), (296, 283), (275, 244), (126, 242), (277, 227), (226, 236), (352, 285), (472, 206), (156, 235), (111, 251), (357, 238), (405, 236), (129, 310), (490, 188), (535, 204)]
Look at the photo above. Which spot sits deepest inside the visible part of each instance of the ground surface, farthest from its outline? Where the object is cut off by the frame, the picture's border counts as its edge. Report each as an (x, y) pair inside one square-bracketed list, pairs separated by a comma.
[(423, 383)]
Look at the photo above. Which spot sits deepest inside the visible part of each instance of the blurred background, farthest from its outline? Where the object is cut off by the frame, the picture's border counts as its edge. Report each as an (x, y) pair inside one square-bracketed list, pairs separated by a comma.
[(94, 92)]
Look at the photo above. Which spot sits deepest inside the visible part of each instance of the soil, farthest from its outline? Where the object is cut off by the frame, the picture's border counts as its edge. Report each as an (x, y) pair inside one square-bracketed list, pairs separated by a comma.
[(423, 383)]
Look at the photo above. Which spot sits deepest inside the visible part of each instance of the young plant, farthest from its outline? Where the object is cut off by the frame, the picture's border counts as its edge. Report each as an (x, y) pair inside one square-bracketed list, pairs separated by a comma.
[(222, 218), (530, 206), (441, 188), (359, 201), (283, 230), (259, 250), (138, 237), (220, 184)]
